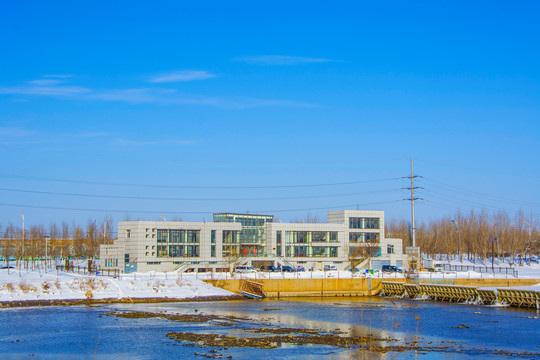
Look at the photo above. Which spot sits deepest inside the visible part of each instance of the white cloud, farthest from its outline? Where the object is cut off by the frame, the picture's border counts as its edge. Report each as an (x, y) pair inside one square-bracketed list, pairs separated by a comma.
[(125, 142), (44, 87), (60, 76), (46, 82), (180, 76), (6, 131), (153, 95), (281, 60)]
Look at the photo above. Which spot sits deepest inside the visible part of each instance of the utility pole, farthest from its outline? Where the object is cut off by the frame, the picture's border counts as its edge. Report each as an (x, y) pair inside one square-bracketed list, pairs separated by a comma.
[(413, 252), (411, 199)]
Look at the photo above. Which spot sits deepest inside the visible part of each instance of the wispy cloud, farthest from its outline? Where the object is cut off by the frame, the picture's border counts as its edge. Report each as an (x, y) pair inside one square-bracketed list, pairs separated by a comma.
[(135, 143), (181, 76), (281, 60), (151, 95), (44, 87), (59, 76), (6, 131), (46, 82), (92, 134)]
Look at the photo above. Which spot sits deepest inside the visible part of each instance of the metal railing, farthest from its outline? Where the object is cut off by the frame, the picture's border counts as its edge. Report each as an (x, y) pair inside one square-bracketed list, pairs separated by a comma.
[(482, 269), (83, 270)]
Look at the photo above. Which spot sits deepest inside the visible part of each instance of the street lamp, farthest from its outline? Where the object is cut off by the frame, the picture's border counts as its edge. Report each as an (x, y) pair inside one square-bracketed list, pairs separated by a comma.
[(530, 234), (459, 241), (163, 217), (46, 242), (22, 237), (105, 230), (530, 228)]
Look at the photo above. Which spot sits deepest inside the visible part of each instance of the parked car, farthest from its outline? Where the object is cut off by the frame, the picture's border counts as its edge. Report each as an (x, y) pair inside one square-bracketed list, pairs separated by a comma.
[(269, 268), (300, 268), (287, 268), (390, 268), (330, 268), (244, 270)]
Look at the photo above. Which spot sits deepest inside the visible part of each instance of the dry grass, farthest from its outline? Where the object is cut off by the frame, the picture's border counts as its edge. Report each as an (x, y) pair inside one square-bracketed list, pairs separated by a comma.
[(25, 287)]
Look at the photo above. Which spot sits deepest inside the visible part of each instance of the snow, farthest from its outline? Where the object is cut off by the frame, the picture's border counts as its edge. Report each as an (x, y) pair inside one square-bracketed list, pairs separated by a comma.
[(37, 284), (50, 285)]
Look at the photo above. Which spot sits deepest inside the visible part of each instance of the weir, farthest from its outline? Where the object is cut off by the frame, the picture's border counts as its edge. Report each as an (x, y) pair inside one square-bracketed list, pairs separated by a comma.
[(459, 293), (278, 288)]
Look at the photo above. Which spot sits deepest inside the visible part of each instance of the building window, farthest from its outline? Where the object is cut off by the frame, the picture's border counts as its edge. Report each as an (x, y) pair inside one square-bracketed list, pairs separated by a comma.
[(128, 233), (372, 223), (213, 251), (372, 237), (390, 249), (364, 223), (213, 237), (278, 237)]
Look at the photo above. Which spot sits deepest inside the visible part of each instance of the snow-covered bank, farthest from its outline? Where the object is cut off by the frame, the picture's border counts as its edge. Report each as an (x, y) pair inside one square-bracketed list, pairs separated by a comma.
[(34, 285)]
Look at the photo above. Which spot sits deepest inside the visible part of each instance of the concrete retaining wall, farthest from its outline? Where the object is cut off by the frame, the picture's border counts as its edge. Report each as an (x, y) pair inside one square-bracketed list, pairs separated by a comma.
[(276, 288)]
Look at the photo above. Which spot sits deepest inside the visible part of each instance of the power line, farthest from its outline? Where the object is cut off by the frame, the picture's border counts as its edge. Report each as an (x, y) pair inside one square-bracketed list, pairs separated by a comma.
[(35, 178), (481, 195), (187, 212), (190, 199)]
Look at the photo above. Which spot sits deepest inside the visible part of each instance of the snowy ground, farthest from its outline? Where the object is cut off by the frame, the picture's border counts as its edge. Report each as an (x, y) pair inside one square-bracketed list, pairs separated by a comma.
[(52, 285), (36, 285)]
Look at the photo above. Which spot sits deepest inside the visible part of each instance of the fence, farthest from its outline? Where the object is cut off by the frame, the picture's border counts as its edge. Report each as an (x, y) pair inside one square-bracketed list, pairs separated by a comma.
[(482, 269), (83, 270)]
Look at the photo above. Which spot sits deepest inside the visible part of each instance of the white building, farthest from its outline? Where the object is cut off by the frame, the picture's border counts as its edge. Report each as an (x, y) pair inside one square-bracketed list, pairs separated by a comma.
[(256, 240)]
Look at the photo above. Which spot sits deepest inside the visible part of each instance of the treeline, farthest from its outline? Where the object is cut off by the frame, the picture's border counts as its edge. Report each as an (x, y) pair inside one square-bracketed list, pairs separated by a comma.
[(472, 236), (62, 240)]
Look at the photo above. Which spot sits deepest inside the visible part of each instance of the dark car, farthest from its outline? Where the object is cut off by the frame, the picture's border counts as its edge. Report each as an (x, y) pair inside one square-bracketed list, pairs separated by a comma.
[(270, 268), (287, 268), (300, 268), (390, 268)]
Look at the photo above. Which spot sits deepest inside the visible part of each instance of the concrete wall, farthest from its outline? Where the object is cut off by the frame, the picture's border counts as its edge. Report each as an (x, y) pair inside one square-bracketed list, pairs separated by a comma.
[(309, 287)]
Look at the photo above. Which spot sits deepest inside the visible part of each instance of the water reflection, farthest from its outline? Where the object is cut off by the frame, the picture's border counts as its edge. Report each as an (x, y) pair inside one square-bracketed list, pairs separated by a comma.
[(83, 332)]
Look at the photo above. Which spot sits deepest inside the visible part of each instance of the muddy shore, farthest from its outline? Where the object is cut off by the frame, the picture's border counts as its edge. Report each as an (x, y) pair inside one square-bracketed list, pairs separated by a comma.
[(75, 302)]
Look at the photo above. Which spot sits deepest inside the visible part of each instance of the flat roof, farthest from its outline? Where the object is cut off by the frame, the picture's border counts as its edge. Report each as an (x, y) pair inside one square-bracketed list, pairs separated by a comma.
[(239, 214)]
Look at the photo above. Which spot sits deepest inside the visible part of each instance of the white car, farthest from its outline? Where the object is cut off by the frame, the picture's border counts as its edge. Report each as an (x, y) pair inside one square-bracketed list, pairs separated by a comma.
[(244, 270)]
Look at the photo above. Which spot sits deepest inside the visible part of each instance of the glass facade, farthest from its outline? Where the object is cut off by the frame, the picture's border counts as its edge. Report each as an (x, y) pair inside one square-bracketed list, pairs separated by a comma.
[(231, 244), (213, 244), (365, 252), (364, 223), (360, 237), (178, 243), (306, 237), (252, 236), (307, 243)]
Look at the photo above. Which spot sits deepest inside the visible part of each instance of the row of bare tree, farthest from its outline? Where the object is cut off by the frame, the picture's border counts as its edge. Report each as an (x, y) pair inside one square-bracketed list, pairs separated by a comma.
[(473, 235), (65, 240)]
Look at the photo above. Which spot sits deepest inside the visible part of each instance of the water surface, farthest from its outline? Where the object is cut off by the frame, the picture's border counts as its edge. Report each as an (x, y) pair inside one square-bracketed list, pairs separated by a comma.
[(82, 332)]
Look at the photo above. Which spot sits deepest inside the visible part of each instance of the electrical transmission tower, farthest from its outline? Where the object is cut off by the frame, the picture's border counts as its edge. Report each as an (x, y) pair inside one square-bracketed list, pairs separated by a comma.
[(412, 199)]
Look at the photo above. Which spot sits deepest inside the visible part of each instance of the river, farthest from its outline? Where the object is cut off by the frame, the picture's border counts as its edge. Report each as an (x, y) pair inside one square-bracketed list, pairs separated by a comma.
[(440, 330)]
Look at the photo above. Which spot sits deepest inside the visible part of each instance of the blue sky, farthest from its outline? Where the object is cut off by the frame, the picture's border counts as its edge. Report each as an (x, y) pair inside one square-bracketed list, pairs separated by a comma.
[(213, 106)]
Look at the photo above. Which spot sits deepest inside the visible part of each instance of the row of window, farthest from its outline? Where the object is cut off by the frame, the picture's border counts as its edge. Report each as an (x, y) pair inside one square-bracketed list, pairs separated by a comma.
[(365, 252), (178, 251), (178, 236), (306, 237), (356, 237), (310, 251), (364, 223)]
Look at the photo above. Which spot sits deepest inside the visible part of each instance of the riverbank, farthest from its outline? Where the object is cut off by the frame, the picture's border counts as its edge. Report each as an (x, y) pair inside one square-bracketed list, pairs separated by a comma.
[(38, 288), (90, 302)]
